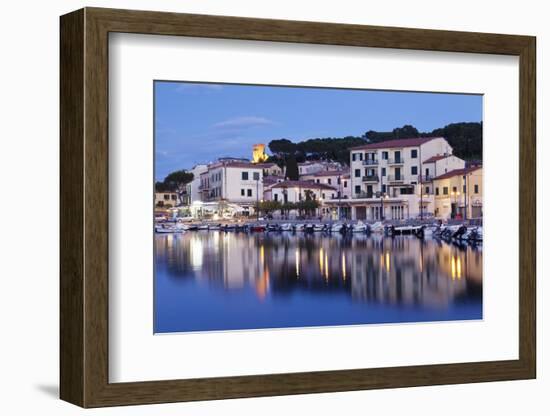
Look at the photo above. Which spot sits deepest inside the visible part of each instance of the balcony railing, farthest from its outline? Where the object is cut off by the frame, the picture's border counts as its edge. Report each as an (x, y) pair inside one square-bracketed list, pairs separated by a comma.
[(425, 178), (370, 178), (366, 195), (370, 162), (396, 178), (396, 161)]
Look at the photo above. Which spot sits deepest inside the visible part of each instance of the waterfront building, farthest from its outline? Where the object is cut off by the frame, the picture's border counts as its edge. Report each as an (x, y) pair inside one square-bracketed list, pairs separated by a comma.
[(390, 179), (459, 193), (295, 191), (193, 188), (166, 199), (232, 184), (339, 179)]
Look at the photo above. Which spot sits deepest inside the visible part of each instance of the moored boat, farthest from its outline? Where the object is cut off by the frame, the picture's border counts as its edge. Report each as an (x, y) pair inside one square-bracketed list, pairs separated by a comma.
[(287, 227), (360, 227)]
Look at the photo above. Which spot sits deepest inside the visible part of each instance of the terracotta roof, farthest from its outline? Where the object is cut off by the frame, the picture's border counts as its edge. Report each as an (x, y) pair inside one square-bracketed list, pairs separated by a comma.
[(265, 164), (436, 158), (246, 165), (457, 172), (303, 184), (388, 144)]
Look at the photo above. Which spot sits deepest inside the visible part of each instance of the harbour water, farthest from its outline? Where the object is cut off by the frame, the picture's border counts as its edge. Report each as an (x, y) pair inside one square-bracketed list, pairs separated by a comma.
[(207, 281)]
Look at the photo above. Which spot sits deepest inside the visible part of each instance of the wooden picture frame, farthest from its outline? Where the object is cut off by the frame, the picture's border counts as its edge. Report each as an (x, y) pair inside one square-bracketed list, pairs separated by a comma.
[(84, 207)]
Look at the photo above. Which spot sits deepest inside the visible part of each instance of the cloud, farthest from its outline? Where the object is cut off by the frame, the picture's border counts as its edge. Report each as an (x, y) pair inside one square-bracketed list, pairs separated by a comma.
[(244, 122), (186, 87)]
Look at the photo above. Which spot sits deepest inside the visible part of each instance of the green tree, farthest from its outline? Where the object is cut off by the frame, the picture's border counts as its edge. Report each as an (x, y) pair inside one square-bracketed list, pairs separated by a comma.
[(163, 187), (292, 171), (178, 180), (267, 207)]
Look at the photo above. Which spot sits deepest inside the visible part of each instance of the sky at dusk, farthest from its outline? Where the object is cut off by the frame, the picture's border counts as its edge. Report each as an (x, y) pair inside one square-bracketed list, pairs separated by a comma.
[(197, 123)]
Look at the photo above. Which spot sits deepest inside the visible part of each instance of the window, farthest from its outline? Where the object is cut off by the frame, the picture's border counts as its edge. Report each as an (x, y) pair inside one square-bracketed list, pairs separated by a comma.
[(445, 190), (174, 197), (385, 155), (414, 170), (397, 156), (244, 176), (414, 153), (317, 181), (464, 188), (406, 191), (357, 189), (454, 189), (383, 171), (166, 197), (437, 191), (329, 181), (357, 173), (353, 157), (427, 190), (338, 180), (345, 184), (256, 176), (249, 192), (242, 192), (383, 189), (276, 197), (323, 196), (360, 156), (476, 188)]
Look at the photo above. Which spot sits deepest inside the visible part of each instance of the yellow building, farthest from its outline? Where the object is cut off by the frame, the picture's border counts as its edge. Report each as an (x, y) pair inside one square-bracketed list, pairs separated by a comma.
[(258, 153), (459, 194), (166, 199)]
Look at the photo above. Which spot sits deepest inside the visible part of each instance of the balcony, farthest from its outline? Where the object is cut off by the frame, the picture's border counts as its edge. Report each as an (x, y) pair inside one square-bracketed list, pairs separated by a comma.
[(396, 161), (396, 178), (370, 162), (425, 178), (370, 178), (363, 195)]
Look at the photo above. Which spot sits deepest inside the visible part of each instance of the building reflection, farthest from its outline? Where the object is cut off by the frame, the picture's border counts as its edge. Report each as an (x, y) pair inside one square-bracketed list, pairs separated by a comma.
[(403, 271)]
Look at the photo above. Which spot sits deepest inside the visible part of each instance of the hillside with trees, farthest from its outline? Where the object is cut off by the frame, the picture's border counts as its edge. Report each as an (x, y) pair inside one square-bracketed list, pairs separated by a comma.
[(465, 138)]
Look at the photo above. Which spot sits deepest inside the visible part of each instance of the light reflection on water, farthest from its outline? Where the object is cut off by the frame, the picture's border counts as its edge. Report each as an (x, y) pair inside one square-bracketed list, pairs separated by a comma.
[(223, 281)]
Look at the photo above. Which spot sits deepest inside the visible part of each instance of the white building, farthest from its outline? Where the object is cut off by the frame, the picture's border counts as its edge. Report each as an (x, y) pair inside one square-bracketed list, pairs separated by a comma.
[(270, 169), (230, 183), (312, 166), (339, 179), (193, 188), (295, 191), (389, 179)]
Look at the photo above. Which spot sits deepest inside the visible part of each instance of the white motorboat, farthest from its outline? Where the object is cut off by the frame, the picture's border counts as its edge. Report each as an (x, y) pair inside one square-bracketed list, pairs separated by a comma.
[(360, 227), (337, 227), (318, 227), (300, 227), (203, 227), (168, 230), (287, 227), (377, 227)]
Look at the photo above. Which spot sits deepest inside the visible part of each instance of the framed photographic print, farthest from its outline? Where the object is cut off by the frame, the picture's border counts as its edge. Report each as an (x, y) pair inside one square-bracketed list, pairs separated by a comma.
[(255, 207)]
